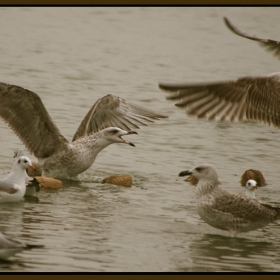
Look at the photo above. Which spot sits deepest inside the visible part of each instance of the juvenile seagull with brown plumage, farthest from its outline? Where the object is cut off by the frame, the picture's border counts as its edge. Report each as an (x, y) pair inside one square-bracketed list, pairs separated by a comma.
[(227, 211), (109, 119)]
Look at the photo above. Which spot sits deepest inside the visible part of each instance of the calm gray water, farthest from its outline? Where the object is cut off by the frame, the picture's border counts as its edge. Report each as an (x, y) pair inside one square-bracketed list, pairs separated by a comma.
[(73, 56)]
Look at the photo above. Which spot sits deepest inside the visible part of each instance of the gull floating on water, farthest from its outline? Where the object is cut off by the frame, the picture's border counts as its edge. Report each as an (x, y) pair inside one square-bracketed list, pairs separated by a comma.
[(109, 119), (13, 186), (248, 98), (31, 189), (270, 45), (226, 211), (30, 172)]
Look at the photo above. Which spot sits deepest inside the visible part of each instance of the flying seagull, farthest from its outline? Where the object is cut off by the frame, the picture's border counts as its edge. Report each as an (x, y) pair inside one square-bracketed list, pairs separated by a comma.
[(109, 119), (248, 98)]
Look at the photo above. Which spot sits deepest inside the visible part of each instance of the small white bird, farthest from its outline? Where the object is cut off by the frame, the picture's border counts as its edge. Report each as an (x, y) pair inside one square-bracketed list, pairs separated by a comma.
[(18, 153), (223, 210), (31, 189), (250, 187), (13, 186)]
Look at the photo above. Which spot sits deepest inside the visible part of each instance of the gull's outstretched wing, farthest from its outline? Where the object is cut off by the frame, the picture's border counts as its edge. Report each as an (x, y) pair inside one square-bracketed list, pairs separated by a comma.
[(248, 98), (114, 111), (25, 113), (270, 45)]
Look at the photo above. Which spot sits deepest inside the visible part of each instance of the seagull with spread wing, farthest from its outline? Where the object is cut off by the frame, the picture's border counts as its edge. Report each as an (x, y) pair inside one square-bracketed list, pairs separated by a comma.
[(109, 119)]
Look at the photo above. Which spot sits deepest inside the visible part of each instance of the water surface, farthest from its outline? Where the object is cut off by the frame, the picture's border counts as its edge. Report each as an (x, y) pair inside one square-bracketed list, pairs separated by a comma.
[(73, 56)]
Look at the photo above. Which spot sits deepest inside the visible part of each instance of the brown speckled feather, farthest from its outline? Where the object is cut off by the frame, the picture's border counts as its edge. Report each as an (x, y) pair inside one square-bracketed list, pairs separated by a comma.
[(114, 111), (25, 113), (242, 207), (250, 98)]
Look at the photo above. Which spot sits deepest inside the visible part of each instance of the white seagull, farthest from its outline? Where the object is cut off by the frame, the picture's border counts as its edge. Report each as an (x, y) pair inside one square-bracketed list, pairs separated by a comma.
[(13, 186), (270, 45), (31, 189), (18, 153), (250, 188), (226, 211), (109, 119)]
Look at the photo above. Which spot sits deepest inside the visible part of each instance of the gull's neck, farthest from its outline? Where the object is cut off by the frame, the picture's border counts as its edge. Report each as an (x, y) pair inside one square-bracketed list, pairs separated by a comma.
[(95, 142), (206, 187), (250, 193)]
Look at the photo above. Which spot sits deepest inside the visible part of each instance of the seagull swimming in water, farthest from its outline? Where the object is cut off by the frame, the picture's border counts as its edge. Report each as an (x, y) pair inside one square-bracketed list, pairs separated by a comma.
[(13, 186), (226, 211), (270, 45), (108, 120), (31, 188)]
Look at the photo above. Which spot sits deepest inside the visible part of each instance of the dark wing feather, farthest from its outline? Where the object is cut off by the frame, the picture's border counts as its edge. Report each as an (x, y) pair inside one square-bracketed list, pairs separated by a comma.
[(249, 98), (114, 111), (25, 113), (270, 45)]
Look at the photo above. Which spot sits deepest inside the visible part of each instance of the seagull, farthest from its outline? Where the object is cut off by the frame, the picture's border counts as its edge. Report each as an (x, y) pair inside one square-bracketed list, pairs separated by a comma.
[(270, 45), (109, 119), (250, 187), (248, 98), (31, 188), (13, 186), (226, 211), (9, 247), (30, 172)]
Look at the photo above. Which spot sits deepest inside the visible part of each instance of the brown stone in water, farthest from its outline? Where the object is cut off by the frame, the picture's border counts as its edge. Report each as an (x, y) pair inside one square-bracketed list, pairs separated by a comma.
[(255, 175), (46, 182), (119, 180)]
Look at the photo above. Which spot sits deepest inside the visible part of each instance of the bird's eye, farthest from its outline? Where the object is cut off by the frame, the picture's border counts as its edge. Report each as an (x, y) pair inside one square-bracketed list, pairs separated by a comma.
[(19, 161), (115, 131), (198, 169), (25, 161)]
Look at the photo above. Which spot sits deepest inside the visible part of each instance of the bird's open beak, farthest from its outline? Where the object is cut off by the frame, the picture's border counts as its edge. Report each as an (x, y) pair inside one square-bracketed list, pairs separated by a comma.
[(128, 133)]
